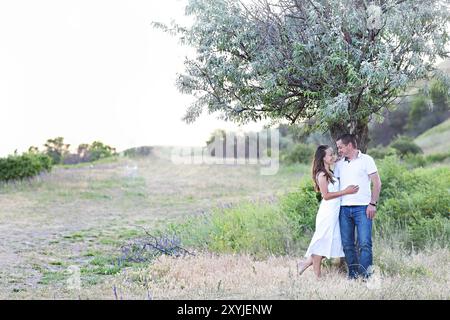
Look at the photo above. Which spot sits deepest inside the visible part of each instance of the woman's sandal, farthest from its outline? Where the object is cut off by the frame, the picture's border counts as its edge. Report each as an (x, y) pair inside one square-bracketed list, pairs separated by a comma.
[(302, 266)]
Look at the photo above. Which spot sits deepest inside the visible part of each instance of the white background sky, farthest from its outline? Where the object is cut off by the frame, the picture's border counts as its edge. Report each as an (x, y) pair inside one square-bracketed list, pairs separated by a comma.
[(94, 70)]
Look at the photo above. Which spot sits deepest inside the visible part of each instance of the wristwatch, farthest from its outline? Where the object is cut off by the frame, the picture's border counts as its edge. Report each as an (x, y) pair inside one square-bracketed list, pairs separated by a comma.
[(373, 204)]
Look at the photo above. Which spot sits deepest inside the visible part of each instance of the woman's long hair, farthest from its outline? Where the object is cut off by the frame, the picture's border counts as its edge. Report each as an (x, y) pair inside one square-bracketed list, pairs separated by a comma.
[(319, 166)]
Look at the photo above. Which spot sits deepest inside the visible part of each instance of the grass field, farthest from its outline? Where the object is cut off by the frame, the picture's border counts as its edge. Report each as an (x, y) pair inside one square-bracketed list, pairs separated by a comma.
[(79, 216)]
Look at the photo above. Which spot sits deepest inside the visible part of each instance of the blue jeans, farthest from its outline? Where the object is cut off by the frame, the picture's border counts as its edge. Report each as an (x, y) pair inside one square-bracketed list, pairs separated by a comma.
[(357, 255)]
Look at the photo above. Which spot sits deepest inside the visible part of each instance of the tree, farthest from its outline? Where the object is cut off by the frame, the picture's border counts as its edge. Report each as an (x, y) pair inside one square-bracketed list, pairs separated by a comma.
[(426, 112), (98, 150), (56, 149), (337, 62), (82, 149), (83, 154), (439, 92), (33, 150), (419, 108)]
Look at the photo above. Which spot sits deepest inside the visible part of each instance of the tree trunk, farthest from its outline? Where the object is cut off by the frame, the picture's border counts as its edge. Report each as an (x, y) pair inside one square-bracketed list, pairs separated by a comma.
[(359, 128)]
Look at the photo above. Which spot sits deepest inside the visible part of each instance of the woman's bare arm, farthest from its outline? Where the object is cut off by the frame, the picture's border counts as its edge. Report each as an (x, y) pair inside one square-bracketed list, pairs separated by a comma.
[(326, 195)]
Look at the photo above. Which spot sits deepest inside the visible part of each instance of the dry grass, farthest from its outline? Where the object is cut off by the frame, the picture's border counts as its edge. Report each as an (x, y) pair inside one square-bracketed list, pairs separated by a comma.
[(209, 276)]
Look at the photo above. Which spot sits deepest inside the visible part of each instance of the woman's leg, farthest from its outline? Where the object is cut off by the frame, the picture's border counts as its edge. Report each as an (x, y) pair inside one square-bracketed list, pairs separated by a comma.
[(303, 265), (317, 261)]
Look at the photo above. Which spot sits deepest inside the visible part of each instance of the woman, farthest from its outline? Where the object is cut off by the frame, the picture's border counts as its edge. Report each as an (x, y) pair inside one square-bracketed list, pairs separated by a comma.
[(326, 241)]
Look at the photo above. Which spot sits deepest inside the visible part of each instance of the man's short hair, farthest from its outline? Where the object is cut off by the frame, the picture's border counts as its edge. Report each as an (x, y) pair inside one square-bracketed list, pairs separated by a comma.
[(348, 138)]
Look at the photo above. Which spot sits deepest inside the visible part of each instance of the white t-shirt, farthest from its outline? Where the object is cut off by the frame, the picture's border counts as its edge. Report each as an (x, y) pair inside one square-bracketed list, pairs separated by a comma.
[(356, 172)]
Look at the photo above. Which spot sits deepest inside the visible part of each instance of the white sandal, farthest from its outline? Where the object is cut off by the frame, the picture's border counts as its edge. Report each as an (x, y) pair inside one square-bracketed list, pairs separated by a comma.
[(302, 266)]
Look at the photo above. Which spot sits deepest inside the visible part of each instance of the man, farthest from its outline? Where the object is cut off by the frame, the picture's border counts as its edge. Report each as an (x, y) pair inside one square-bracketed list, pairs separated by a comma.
[(359, 209)]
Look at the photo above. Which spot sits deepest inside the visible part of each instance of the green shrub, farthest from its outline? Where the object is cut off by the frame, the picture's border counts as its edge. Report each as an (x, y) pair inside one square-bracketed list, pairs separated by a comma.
[(97, 150), (419, 160), (437, 157), (416, 201), (395, 177), (415, 160), (45, 161), (428, 231), (300, 153), (381, 152), (143, 151), (414, 211), (258, 229), (27, 165), (405, 145), (301, 208)]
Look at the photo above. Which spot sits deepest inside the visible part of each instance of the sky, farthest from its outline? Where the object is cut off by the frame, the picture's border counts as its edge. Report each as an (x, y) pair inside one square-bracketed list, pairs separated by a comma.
[(94, 70)]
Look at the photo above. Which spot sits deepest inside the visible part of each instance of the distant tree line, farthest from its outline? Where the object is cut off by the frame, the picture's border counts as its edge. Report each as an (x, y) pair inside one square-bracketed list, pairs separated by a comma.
[(59, 152), (142, 151), (34, 161)]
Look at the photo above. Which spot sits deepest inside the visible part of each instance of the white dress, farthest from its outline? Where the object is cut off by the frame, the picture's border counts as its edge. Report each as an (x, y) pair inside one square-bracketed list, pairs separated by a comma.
[(326, 240)]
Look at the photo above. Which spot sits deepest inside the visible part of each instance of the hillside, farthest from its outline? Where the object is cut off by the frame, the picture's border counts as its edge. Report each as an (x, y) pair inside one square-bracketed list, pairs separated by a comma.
[(436, 139)]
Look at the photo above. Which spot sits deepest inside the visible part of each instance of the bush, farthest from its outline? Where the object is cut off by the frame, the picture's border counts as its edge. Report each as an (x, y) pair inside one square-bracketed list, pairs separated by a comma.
[(97, 150), (396, 178), (27, 165), (45, 161), (414, 209), (300, 153), (381, 152), (414, 160), (405, 145), (419, 160), (143, 151), (258, 229), (301, 207), (416, 201), (437, 157)]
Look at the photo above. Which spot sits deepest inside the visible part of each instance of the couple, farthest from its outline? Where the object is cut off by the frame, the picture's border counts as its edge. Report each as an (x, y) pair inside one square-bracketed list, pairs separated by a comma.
[(347, 202)]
